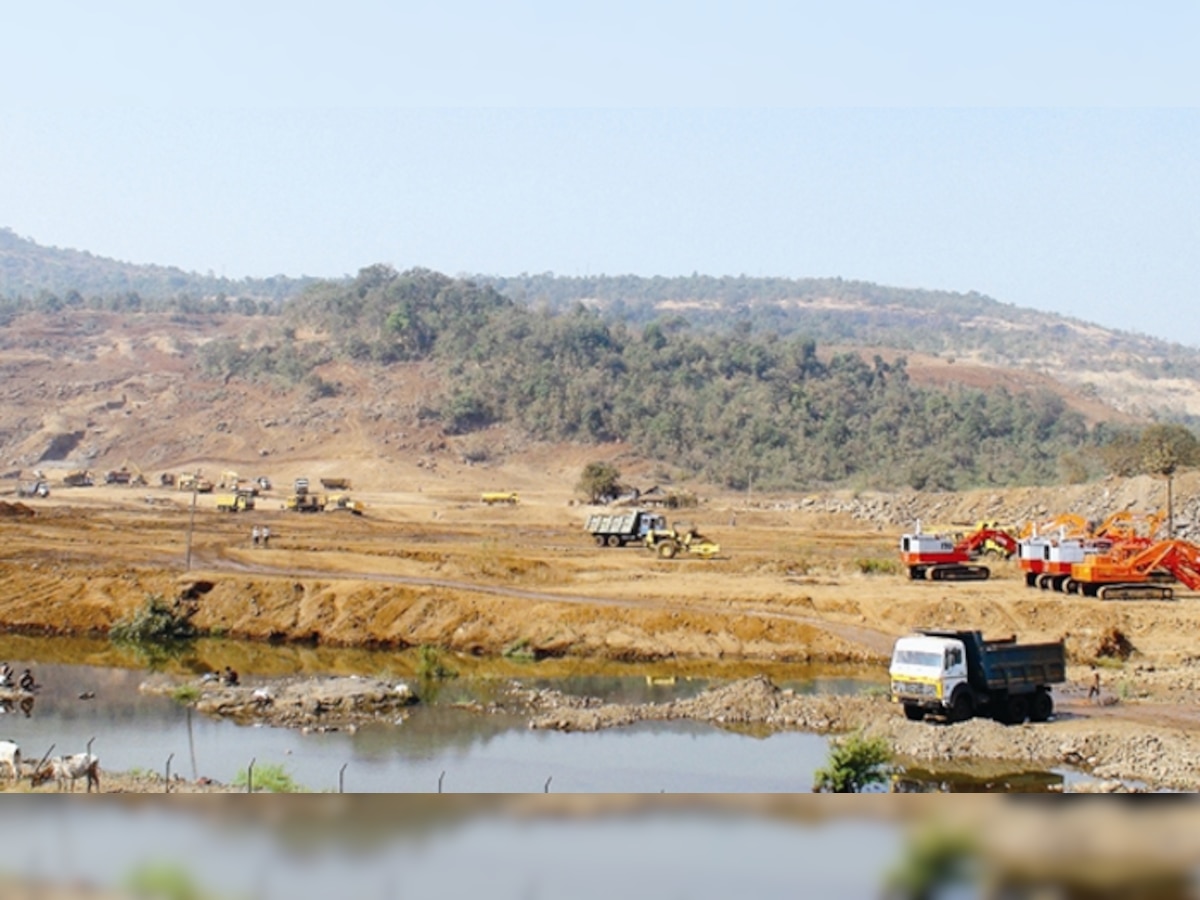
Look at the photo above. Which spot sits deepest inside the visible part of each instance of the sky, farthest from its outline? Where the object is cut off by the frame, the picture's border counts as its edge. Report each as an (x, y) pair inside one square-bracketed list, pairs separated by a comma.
[(1042, 153)]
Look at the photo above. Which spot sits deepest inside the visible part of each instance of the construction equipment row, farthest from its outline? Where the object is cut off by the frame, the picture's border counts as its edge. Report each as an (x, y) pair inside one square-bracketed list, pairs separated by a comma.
[(1120, 558)]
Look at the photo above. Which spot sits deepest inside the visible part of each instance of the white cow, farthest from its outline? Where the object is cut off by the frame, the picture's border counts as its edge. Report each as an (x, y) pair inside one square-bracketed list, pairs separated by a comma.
[(70, 768), (10, 758)]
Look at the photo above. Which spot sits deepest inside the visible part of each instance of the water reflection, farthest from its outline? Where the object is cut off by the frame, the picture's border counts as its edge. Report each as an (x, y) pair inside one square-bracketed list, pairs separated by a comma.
[(437, 744), (451, 852)]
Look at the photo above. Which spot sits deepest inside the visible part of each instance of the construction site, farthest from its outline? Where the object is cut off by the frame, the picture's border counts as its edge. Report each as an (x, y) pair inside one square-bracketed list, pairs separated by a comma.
[(387, 535), (748, 588)]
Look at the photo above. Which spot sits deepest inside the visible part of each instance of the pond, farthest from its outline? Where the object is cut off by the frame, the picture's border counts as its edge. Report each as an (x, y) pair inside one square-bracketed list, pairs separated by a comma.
[(230, 852), (437, 745)]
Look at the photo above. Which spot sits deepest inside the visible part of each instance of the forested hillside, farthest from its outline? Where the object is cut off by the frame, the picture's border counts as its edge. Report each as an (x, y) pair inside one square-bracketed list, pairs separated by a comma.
[(733, 406), (36, 277), (738, 380), (833, 310)]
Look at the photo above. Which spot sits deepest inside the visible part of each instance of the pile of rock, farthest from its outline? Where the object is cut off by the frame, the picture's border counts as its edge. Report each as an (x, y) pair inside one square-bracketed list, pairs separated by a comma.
[(319, 704)]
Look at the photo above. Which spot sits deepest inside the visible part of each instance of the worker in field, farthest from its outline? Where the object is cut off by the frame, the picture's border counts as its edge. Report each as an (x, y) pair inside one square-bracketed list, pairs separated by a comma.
[(254, 535), (266, 535)]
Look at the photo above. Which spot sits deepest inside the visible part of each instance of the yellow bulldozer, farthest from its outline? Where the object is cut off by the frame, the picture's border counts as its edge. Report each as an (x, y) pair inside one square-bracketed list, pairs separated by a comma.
[(338, 502), (681, 538)]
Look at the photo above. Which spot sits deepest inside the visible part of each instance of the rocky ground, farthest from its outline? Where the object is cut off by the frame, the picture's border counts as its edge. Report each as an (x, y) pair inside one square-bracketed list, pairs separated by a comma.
[(308, 704)]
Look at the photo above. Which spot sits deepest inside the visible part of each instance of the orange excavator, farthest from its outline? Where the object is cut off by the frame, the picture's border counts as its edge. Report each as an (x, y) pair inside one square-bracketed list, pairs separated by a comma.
[(935, 557), (1048, 560), (1139, 576)]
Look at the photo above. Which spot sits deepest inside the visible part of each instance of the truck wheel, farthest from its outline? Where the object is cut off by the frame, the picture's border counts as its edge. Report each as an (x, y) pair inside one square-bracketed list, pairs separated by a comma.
[(667, 549), (962, 707), (599, 540), (914, 713), (1016, 711), (1041, 707), (614, 540)]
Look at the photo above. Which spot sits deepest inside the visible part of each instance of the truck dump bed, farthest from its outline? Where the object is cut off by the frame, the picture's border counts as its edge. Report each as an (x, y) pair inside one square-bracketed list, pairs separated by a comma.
[(1005, 664), (1008, 664), (607, 524)]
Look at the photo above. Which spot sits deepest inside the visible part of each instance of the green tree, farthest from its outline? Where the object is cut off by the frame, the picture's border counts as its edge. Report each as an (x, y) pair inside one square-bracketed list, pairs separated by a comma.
[(600, 481), (854, 762), (1164, 448), (936, 859)]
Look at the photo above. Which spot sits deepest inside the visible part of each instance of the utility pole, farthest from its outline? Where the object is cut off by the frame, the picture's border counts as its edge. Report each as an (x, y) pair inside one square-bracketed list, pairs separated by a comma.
[(1170, 507), (187, 566)]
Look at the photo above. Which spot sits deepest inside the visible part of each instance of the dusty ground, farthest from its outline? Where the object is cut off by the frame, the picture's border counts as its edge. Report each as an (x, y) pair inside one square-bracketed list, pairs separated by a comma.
[(434, 567)]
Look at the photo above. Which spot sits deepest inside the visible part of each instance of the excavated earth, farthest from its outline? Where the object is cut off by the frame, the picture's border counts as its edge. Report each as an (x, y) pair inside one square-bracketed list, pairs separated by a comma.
[(794, 582), (799, 577)]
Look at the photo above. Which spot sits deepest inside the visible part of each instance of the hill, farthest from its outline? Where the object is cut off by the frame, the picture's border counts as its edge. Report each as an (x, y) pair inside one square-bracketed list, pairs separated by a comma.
[(1137, 374), (424, 370), (61, 277)]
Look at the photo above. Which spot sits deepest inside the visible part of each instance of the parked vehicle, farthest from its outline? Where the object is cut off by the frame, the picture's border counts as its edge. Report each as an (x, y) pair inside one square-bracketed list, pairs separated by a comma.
[(617, 530), (493, 497), (235, 501), (34, 489), (957, 674), (939, 557)]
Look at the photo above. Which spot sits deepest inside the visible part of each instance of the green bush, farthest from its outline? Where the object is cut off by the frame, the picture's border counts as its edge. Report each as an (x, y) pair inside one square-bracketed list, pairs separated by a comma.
[(935, 860), (430, 666), (270, 777), (186, 694), (854, 762), (520, 650), (154, 622), (874, 566), (164, 881)]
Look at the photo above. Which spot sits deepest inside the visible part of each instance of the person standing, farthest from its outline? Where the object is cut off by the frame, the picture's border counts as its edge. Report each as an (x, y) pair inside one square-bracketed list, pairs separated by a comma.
[(266, 536), (254, 535)]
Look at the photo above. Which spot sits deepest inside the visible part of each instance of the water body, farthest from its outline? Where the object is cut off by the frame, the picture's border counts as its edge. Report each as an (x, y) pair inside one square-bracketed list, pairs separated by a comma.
[(697, 855), (436, 745)]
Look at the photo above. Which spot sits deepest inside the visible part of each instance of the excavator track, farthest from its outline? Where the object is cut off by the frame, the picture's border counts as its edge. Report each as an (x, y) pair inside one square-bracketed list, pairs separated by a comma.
[(1135, 592), (957, 572)]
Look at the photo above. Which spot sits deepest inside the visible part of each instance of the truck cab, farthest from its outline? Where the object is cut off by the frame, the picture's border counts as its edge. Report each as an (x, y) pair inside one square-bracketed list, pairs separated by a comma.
[(925, 671)]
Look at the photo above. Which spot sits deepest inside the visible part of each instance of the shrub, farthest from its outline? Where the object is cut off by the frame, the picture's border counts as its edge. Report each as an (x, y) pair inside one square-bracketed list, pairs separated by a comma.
[(875, 566), (935, 860), (154, 622), (186, 694), (270, 777), (430, 666), (519, 650), (854, 762), (164, 881)]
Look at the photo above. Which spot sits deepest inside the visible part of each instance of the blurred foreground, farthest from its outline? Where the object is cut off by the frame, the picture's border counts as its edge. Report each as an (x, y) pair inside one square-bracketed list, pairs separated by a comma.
[(532, 846)]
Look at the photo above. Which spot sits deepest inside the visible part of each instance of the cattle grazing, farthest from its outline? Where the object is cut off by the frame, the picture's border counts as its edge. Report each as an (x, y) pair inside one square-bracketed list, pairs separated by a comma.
[(10, 758), (70, 768)]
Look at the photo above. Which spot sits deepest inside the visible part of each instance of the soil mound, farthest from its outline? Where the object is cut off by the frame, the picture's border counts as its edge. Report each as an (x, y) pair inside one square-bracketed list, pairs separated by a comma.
[(15, 511)]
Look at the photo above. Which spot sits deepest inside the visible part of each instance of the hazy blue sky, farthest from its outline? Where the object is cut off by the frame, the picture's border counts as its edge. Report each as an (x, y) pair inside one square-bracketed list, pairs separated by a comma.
[(1044, 153)]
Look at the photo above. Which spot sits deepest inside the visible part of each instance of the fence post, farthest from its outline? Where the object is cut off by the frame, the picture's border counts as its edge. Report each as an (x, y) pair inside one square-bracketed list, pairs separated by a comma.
[(168, 774), (250, 776)]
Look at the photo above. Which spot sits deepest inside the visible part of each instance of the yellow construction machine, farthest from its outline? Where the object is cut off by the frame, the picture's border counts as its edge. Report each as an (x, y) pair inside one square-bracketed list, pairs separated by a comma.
[(681, 538), (339, 502), (493, 497)]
